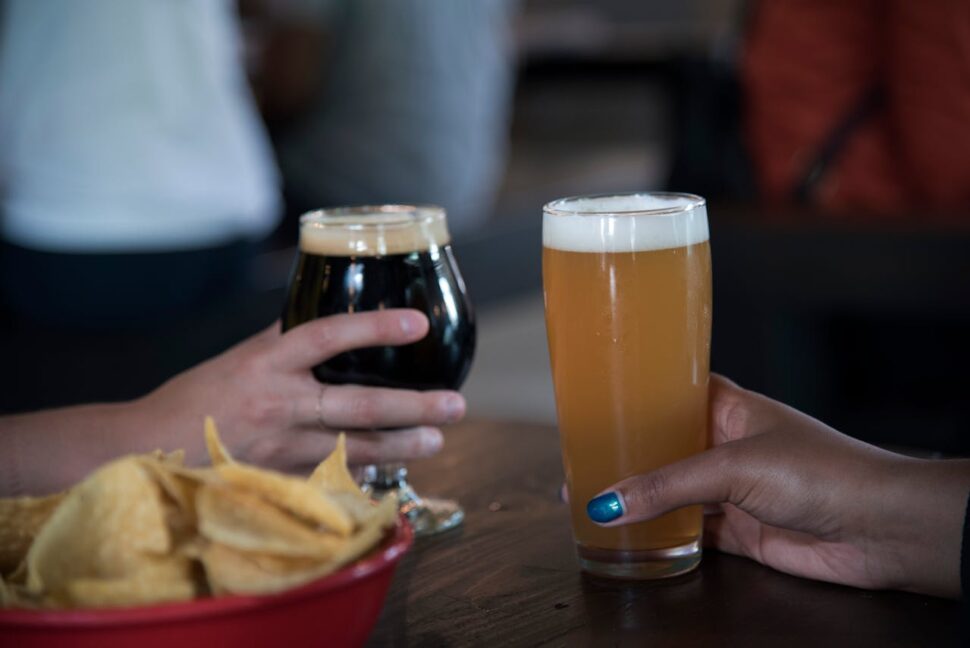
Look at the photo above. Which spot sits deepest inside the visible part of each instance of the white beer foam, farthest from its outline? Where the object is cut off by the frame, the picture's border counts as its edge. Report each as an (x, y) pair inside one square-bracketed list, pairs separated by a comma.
[(373, 232), (625, 223)]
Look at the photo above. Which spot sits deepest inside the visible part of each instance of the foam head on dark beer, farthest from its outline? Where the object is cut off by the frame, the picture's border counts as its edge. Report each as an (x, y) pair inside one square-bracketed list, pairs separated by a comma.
[(625, 223), (373, 231)]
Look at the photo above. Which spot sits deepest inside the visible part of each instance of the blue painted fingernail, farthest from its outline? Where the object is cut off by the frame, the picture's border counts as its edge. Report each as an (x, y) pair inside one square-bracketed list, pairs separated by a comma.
[(604, 508)]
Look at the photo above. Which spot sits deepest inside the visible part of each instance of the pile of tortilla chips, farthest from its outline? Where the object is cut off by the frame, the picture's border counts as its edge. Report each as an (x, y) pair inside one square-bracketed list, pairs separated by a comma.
[(146, 529)]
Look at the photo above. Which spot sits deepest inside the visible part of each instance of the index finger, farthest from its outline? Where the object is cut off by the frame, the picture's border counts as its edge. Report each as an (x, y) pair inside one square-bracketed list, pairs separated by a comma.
[(311, 343)]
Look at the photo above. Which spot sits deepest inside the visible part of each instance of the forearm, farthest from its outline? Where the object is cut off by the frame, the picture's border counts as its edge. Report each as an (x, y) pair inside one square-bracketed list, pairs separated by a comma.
[(48, 451), (925, 512)]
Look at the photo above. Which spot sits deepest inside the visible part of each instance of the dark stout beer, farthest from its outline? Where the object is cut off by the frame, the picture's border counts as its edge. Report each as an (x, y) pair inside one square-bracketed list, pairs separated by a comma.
[(373, 258)]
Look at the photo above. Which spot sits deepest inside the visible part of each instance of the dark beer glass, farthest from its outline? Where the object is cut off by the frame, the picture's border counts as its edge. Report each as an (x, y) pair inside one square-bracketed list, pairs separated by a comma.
[(354, 259)]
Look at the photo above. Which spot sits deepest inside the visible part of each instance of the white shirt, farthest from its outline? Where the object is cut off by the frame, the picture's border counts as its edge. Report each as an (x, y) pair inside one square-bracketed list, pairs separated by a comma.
[(127, 125)]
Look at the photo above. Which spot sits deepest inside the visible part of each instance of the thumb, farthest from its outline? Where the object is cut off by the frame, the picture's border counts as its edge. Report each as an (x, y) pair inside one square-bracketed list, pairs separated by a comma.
[(700, 479)]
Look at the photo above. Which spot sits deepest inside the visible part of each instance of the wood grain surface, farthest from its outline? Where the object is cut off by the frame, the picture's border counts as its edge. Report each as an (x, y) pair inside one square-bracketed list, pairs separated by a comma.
[(509, 576)]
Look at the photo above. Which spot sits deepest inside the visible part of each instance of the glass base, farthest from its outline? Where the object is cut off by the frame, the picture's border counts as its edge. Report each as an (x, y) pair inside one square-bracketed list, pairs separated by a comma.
[(427, 515), (641, 565), (431, 515)]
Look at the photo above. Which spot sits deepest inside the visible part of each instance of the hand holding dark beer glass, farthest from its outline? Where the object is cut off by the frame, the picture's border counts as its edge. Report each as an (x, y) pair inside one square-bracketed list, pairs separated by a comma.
[(355, 259)]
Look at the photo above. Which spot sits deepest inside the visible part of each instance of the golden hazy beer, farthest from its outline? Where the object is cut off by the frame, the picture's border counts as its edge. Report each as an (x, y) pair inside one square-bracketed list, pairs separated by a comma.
[(628, 312)]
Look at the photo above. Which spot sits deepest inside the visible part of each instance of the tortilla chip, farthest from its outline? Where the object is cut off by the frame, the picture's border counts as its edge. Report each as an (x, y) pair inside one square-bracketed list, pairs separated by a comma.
[(290, 493), (21, 519), (332, 475), (333, 478), (248, 522), (371, 533), (218, 454), (104, 528), (160, 581), (230, 571)]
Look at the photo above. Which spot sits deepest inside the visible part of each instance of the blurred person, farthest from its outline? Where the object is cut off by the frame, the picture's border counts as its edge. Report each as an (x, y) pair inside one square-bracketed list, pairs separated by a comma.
[(135, 174), (406, 101), (792, 493), (862, 106), (262, 394)]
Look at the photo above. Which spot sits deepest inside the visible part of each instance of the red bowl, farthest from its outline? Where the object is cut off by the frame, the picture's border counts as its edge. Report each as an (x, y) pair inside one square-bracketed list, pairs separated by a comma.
[(337, 610)]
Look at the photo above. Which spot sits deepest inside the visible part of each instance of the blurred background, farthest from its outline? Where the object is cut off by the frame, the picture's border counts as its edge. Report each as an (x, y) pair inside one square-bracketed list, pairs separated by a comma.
[(831, 140)]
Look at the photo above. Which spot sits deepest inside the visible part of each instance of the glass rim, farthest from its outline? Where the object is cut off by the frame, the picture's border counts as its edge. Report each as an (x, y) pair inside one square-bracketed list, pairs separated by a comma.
[(693, 201), (385, 216)]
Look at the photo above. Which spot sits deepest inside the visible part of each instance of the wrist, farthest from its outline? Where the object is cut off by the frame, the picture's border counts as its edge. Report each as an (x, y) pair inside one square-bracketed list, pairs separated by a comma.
[(88, 437), (923, 513), (159, 421)]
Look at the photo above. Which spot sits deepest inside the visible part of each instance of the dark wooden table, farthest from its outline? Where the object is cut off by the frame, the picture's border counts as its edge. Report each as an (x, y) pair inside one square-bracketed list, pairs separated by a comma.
[(509, 576)]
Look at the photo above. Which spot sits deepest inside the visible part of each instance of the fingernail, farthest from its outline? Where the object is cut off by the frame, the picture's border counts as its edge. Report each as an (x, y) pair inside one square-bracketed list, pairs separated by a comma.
[(432, 442), (454, 408), (604, 508), (406, 325)]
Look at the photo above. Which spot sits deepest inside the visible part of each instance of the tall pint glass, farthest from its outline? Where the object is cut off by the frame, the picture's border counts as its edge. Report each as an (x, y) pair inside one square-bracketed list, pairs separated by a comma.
[(627, 282)]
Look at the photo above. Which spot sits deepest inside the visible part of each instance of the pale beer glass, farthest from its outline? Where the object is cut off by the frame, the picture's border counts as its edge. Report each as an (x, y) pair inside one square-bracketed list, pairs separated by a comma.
[(627, 281)]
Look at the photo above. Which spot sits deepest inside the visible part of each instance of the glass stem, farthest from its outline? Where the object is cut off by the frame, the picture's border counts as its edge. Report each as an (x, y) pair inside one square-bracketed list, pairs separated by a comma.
[(385, 477), (392, 477), (427, 516)]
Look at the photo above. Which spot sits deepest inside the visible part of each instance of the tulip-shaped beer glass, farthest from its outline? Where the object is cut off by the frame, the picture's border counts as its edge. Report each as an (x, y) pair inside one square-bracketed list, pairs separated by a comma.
[(356, 259)]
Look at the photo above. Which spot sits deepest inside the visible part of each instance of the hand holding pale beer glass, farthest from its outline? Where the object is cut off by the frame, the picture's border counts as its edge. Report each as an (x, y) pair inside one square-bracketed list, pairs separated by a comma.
[(355, 259), (627, 282)]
